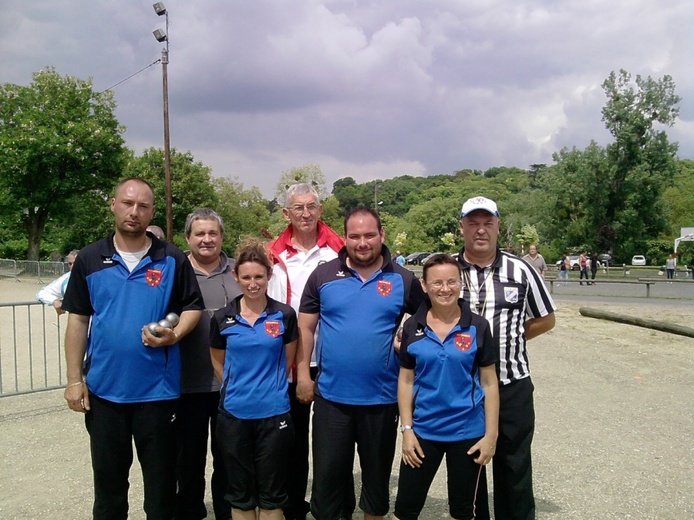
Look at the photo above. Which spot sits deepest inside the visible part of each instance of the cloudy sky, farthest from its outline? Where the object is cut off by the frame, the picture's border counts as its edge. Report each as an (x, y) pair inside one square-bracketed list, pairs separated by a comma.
[(367, 89)]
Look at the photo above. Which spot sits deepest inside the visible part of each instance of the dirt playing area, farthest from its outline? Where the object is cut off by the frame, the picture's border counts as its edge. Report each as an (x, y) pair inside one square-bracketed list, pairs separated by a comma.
[(613, 440)]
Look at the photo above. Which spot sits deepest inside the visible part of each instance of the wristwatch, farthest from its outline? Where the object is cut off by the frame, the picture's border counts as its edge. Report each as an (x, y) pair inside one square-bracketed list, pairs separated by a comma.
[(404, 427)]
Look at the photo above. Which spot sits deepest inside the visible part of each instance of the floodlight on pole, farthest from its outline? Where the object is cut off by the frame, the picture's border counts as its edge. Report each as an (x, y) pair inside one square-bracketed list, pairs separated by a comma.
[(163, 37)]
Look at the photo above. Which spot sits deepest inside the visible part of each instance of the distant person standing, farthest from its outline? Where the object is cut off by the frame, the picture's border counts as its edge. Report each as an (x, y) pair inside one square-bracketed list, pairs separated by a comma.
[(670, 267), (536, 260), (54, 292), (399, 259), (516, 303), (122, 376), (564, 268), (157, 232), (594, 263), (583, 264), (199, 403)]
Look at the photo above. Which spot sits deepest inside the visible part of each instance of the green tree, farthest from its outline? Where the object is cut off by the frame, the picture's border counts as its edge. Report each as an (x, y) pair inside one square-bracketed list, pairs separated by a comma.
[(191, 186), (58, 139), (528, 235), (642, 159), (245, 212), (309, 174), (679, 198)]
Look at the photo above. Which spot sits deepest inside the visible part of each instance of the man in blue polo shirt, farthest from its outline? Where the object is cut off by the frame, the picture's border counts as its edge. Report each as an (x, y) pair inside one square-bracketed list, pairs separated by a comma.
[(122, 377), (359, 299)]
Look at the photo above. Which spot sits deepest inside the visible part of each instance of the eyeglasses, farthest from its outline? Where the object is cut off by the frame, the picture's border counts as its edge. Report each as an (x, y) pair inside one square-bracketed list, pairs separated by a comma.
[(438, 284), (300, 208)]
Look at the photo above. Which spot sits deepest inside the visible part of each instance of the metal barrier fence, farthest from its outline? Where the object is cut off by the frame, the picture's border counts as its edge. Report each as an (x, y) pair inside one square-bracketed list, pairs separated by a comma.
[(32, 269), (31, 353)]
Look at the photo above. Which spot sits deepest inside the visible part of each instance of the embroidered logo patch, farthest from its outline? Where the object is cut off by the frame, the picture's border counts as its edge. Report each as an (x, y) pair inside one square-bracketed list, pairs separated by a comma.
[(463, 342), (511, 294), (153, 277), (272, 328), (384, 287)]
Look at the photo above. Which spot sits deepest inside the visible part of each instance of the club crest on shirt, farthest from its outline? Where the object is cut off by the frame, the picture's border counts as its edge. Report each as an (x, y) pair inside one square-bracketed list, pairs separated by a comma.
[(384, 287), (511, 294), (153, 277), (463, 342), (272, 328)]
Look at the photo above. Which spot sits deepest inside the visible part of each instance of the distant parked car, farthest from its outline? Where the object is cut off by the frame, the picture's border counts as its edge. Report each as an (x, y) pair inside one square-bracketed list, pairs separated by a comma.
[(416, 258), (424, 260), (638, 260), (605, 258)]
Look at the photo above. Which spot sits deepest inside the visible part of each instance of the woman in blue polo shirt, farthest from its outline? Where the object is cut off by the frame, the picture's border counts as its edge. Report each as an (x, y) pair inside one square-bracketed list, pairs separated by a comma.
[(448, 396), (253, 343)]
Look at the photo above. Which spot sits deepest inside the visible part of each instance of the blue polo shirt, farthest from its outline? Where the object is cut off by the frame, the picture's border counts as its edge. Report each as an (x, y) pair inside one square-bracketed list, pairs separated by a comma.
[(254, 384), (357, 363), (117, 366), (448, 396)]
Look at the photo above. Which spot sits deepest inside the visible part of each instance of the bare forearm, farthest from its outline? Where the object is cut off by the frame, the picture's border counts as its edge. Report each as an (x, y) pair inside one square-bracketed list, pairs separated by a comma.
[(405, 393), (188, 321), (307, 331), (75, 346), (537, 326), (218, 356), (490, 385)]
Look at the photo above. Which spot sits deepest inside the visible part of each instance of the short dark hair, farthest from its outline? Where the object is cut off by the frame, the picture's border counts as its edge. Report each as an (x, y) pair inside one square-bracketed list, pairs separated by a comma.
[(439, 259), (136, 179), (203, 214), (252, 250), (363, 210)]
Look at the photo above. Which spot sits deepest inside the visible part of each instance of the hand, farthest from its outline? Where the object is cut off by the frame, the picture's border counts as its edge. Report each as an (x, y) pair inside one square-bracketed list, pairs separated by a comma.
[(486, 447), (304, 391), (77, 397), (58, 306), (397, 339), (412, 453), (167, 337)]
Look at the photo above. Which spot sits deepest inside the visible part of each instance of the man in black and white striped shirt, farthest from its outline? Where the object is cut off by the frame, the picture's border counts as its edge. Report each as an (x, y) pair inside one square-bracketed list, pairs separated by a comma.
[(510, 294)]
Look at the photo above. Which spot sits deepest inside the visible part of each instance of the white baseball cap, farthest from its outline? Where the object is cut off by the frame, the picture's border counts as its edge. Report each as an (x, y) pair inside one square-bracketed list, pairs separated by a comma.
[(477, 203)]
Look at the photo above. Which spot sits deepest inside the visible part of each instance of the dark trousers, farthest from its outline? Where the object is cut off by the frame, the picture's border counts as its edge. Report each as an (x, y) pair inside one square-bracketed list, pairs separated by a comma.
[(466, 481), (584, 274), (112, 428), (336, 429), (197, 415), (297, 477), (512, 465)]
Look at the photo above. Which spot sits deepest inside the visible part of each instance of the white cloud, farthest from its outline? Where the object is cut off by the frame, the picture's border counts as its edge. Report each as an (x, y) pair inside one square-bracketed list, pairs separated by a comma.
[(367, 89)]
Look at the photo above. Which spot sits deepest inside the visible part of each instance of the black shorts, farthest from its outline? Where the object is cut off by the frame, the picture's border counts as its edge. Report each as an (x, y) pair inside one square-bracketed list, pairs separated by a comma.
[(336, 429), (256, 454)]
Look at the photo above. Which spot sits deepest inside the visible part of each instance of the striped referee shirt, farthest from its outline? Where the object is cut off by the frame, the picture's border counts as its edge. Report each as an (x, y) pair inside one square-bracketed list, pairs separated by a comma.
[(507, 293)]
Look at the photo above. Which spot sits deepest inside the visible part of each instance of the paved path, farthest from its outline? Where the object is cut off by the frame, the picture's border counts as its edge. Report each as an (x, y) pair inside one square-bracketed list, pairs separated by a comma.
[(613, 441)]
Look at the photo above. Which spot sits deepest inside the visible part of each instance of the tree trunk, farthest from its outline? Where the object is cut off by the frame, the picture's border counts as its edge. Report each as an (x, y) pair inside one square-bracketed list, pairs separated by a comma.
[(662, 326), (35, 224)]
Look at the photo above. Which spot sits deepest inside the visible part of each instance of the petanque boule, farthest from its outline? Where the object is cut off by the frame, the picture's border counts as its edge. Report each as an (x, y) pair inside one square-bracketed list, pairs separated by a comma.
[(153, 329), (169, 322)]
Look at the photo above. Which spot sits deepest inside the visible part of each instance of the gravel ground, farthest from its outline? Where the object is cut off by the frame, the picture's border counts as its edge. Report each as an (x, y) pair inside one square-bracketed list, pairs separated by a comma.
[(613, 438)]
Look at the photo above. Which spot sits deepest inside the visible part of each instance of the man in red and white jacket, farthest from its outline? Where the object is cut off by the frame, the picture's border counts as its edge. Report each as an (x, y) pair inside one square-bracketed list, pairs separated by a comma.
[(306, 243)]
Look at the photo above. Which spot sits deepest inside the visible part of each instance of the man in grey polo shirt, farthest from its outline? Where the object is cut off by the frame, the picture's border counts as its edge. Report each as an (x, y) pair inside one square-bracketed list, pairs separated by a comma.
[(199, 401)]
